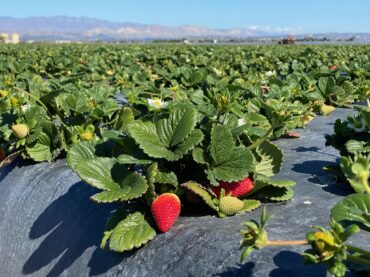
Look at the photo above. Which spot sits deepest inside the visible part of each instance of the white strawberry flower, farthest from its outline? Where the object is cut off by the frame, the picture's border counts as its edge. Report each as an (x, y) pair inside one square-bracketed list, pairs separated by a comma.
[(157, 103), (241, 122), (270, 74), (25, 107)]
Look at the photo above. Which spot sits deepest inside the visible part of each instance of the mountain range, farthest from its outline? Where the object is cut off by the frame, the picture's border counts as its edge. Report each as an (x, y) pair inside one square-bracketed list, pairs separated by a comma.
[(90, 29)]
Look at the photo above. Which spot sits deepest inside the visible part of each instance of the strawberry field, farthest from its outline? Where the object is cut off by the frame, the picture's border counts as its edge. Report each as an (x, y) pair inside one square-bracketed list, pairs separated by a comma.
[(169, 140)]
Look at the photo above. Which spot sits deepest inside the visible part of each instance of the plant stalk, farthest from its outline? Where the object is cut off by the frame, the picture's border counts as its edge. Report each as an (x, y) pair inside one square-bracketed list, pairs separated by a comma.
[(358, 260), (34, 98), (286, 242), (358, 250), (262, 139)]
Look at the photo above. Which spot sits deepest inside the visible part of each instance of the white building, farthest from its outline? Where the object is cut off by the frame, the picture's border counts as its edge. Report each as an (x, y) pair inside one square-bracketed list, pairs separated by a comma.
[(4, 38)]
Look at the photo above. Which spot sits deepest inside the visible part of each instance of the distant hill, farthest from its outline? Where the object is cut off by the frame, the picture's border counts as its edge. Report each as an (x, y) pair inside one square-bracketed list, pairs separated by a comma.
[(83, 28)]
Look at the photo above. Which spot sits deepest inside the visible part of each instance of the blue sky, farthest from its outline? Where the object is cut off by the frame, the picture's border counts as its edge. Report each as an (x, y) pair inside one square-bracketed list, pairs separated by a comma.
[(300, 16)]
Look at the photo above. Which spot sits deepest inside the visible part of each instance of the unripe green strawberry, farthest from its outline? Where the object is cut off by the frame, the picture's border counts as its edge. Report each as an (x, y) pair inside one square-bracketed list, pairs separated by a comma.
[(230, 205), (20, 130), (86, 136), (3, 93), (166, 209)]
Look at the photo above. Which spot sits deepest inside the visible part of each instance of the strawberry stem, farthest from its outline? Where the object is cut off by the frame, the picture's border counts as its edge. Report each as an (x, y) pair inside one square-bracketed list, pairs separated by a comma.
[(286, 242), (33, 97), (262, 139), (358, 250), (358, 260)]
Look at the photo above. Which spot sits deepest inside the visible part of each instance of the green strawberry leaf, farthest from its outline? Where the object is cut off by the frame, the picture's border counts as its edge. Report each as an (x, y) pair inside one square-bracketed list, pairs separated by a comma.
[(133, 186), (80, 152), (171, 137), (268, 189), (353, 209), (109, 196), (357, 171), (131, 232), (354, 146), (40, 151), (263, 180), (326, 84), (126, 117), (276, 194), (270, 159), (97, 173), (250, 205), (127, 159), (151, 174), (166, 178), (229, 162), (198, 155), (202, 193)]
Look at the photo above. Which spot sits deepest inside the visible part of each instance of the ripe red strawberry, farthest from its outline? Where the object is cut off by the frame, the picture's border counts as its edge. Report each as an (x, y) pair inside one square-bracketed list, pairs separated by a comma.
[(236, 189), (166, 209), (333, 67)]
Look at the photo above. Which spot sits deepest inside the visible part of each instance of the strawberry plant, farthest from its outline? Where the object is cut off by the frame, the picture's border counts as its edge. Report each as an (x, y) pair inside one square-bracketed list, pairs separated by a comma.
[(328, 247), (175, 149), (351, 138), (146, 124), (348, 216)]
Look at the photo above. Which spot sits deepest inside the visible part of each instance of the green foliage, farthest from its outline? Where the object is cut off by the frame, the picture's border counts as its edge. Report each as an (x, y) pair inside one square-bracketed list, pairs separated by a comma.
[(127, 231), (353, 209), (170, 137), (227, 161), (138, 121), (269, 158), (328, 247), (202, 193)]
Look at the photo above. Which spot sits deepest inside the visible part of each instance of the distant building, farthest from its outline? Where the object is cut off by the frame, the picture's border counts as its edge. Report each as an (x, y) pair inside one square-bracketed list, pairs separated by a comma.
[(4, 38), (15, 38)]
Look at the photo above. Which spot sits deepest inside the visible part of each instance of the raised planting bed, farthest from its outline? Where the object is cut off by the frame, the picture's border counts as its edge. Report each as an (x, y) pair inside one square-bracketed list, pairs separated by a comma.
[(49, 227)]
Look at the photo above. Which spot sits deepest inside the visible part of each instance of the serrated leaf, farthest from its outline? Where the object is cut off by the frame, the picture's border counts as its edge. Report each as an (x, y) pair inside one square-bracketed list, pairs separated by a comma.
[(126, 117), (41, 150), (109, 196), (127, 159), (166, 178), (174, 129), (198, 155), (97, 173), (229, 162), (326, 84), (353, 209), (131, 232), (170, 138), (354, 146), (270, 193), (133, 186), (202, 193), (271, 158), (80, 152), (275, 183), (250, 205), (151, 174)]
